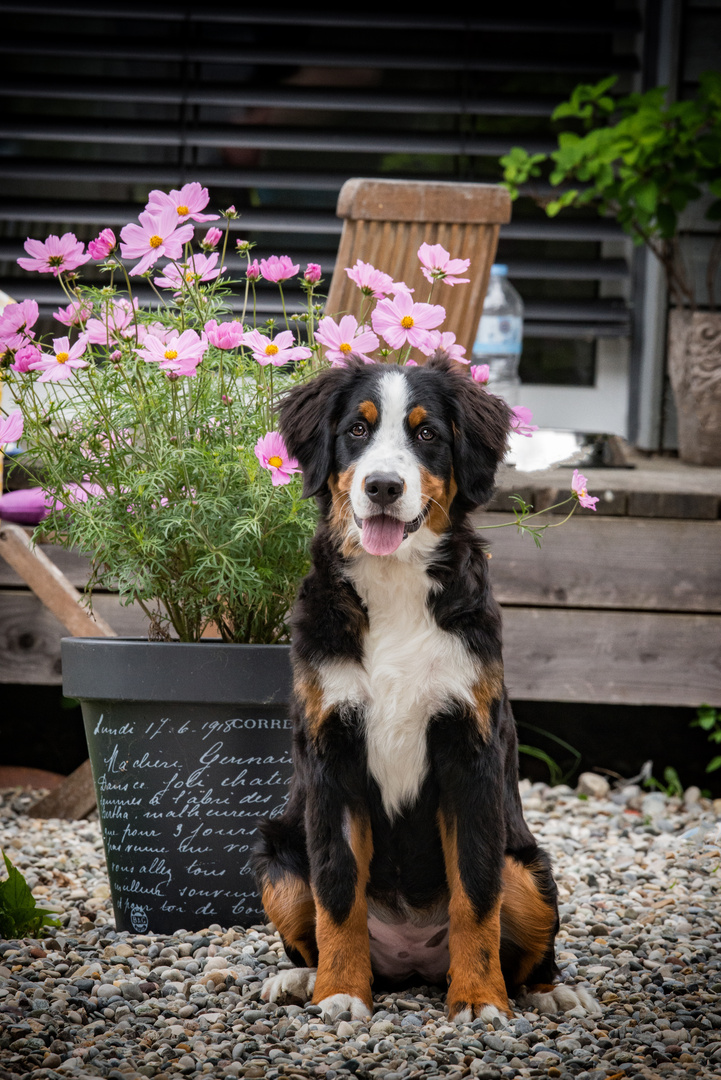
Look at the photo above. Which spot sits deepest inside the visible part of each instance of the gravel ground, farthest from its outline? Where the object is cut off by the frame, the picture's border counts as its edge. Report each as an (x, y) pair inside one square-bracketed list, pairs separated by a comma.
[(639, 881)]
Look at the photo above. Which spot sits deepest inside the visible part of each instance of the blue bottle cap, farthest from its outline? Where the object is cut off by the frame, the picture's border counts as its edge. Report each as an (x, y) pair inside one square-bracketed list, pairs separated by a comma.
[(499, 270)]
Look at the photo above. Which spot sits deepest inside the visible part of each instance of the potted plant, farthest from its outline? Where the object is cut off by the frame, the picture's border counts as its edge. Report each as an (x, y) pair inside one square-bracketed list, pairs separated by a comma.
[(644, 161), (154, 425)]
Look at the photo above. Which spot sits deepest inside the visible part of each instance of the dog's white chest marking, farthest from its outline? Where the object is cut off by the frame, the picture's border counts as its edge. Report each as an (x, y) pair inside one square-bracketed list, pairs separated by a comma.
[(411, 670)]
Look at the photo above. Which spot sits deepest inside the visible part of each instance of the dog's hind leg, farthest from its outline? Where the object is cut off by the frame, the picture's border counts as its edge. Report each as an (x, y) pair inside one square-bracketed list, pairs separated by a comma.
[(281, 866), (529, 923)]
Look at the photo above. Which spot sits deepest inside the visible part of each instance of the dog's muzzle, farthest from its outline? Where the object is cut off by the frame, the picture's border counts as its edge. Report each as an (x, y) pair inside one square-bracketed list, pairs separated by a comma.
[(382, 534)]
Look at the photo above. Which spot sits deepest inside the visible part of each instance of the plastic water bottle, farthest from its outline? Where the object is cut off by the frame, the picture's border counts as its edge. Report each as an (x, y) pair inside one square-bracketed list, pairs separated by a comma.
[(499, 337)]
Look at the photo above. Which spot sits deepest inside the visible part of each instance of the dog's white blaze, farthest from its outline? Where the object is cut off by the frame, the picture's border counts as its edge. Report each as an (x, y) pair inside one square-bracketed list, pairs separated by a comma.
[(411, 670), (390, 451)]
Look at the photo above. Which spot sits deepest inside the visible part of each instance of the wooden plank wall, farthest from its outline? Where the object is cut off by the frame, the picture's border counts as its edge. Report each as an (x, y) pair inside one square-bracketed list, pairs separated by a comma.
[(621, 610), (614, 609)]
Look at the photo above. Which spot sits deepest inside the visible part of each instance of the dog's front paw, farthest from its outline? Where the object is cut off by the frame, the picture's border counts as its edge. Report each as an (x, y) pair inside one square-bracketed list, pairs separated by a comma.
[(336, 1004), (295, 983), (560, 999)]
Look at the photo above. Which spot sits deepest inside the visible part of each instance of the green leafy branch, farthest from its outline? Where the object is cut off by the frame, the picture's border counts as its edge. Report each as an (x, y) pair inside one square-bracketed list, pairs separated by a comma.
[(638, 159)]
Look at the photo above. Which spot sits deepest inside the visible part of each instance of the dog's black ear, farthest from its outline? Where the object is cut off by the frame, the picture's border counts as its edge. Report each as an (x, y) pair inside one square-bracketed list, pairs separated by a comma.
[(307, 424), (481, 428)]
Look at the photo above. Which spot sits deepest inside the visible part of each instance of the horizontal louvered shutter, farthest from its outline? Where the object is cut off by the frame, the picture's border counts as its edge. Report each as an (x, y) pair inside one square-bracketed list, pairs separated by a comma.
[(273, 112)]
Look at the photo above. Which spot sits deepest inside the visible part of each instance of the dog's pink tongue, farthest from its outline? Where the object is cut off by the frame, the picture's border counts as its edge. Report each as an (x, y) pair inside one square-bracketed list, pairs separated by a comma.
[(382, 535)]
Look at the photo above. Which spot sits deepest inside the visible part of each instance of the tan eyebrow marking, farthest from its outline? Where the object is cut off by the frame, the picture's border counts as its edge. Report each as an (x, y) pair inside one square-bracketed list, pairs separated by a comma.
[(368, 410), (417, 416)]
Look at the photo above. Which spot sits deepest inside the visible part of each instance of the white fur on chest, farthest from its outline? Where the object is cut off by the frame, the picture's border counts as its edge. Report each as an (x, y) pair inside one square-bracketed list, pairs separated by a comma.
[(411, 670)]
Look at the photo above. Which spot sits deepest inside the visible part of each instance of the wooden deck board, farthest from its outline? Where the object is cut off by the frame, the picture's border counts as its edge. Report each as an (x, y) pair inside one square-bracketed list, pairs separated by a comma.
[(597, 562), (612, 656)]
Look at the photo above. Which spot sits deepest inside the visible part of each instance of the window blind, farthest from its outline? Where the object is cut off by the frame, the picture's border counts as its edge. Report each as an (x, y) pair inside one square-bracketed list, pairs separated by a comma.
[(274, 111)]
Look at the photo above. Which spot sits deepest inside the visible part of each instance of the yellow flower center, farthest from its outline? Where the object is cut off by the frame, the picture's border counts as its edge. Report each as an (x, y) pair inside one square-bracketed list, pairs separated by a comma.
[(62, 357), (407, 322), (275, 461), (345, 347), (183, 210), (582, 492), (271, 350), (171, 354), (189, 277), (155, 241)]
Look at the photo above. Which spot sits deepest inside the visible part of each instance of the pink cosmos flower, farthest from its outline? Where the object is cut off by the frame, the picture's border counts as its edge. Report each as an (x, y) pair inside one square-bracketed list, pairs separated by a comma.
[(116, 321), (55, 256), (401, 322), (277, 351), (212, 238), (253, 271), (278, 268), (225, 335), (578, 487), (63, 361), (75, 313), (437, 265), (521, 421), (179, 354), (26, 358), (447, 342), (312, 273), (102, 245), (273, 455), (186, 203), (400, 286), (16, 321), (370, 281), (197, 268), (11, 428), (156, 235), (154, 329), (481, 373), (411, 363), (345, 338)]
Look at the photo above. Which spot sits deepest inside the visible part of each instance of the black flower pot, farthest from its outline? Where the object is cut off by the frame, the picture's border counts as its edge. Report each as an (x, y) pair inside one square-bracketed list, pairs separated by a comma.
[(189, 745)]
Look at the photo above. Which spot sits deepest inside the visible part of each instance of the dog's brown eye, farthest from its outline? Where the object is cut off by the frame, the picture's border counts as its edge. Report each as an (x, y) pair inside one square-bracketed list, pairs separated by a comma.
[(359, 430), (426, 434)]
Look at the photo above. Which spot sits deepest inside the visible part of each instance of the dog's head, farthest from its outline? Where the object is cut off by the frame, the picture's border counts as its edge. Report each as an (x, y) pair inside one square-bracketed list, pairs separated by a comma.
[(395, 447)]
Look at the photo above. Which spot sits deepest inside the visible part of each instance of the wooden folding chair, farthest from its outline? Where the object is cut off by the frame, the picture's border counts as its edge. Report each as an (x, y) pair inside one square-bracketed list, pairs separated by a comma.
[(386, 221)]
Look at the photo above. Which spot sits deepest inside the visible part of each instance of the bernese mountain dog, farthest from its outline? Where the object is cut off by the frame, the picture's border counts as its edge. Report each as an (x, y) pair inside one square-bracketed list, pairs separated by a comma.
[(402, 851)]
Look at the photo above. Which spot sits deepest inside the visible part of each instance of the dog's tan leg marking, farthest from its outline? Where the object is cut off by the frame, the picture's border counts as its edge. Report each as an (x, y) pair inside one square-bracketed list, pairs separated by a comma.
[(344, 960), (290, 905), (308, 691), (476, 981), (526, 919), (487, 690)]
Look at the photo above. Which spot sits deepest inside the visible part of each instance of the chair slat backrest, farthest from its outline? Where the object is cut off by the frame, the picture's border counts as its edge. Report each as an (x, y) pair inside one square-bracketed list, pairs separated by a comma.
[(386, 221)]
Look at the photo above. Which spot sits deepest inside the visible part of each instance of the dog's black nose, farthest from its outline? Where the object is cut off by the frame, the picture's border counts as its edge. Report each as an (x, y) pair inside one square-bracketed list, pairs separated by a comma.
[(383, 488)]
